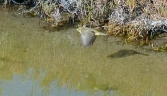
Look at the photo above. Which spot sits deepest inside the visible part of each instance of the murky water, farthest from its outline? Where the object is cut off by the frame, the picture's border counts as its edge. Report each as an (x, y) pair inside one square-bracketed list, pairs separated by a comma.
[(36, 62)]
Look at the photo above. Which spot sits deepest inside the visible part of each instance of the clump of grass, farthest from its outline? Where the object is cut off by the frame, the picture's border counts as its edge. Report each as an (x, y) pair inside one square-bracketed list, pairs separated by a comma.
[(137, 21), (130, 33), (162, 48)]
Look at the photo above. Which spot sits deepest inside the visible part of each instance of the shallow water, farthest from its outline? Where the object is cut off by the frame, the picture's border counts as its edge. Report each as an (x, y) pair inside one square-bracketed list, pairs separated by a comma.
[(36, 62)]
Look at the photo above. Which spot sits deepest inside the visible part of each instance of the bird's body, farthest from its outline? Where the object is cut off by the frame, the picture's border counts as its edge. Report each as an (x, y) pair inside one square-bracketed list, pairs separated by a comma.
[(88, 38), (88, 35)]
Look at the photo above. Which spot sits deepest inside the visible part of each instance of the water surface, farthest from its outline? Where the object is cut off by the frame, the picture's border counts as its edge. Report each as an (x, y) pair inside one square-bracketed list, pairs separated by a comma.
[(39, 61)]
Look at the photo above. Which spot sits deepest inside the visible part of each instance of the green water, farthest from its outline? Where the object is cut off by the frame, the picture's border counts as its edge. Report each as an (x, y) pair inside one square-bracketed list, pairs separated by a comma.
[(37, 58)]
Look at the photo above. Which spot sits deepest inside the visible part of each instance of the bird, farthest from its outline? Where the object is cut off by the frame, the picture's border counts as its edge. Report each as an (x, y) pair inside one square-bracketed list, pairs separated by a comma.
[(88, 35)]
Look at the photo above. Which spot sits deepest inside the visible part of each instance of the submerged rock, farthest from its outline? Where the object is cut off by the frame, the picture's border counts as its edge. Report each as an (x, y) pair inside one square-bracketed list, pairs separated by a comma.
[(124, 53)]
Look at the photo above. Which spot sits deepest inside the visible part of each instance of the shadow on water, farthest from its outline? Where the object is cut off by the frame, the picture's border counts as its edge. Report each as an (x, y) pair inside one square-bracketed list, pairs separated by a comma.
[(37, 62), (124, 53)]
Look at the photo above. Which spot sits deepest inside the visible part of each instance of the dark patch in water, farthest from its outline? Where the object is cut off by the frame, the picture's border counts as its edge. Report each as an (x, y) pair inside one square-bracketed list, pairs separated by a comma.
[(124, 53)]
